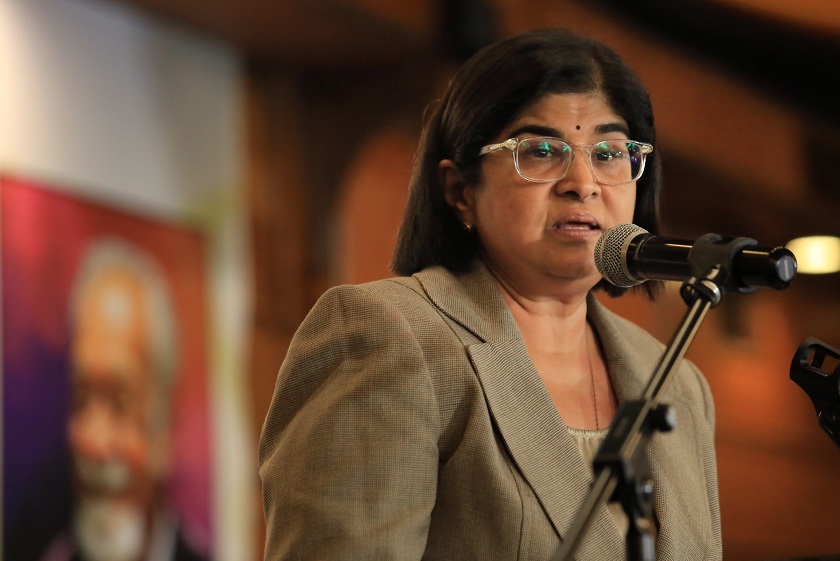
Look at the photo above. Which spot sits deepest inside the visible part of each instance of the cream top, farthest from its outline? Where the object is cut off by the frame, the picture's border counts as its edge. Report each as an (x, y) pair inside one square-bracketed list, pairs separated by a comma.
[(588, 441)]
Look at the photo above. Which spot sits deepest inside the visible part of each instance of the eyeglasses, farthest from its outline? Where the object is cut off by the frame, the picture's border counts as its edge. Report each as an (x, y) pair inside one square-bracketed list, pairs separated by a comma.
[(544, 158)]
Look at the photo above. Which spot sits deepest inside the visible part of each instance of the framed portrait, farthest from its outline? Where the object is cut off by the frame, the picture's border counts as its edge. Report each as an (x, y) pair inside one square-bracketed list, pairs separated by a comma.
[(106, 410)]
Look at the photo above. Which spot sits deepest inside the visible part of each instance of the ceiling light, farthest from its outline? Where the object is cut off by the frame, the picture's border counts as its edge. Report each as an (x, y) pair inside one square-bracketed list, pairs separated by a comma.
[(816, 254)]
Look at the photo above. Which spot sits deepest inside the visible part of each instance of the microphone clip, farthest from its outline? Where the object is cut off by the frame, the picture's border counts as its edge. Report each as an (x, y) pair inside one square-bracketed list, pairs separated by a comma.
[(712, 257), (816, 369)]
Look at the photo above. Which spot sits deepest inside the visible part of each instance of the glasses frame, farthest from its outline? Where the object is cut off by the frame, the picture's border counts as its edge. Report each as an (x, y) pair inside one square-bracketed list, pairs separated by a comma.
[(512, 144)]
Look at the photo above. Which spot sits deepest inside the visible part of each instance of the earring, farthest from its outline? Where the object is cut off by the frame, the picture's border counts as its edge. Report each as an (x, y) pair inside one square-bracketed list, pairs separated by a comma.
[(467, 227)]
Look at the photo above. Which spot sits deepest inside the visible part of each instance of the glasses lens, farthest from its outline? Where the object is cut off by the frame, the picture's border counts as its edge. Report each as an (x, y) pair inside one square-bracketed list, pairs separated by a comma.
[(542, 158), (617, 161)]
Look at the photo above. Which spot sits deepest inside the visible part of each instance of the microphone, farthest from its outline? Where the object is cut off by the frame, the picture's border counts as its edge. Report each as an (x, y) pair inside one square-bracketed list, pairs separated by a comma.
[(627, 255)]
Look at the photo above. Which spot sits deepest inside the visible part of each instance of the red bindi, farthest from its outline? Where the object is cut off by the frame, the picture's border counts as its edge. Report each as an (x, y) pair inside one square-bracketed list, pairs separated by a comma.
[(578, 127)]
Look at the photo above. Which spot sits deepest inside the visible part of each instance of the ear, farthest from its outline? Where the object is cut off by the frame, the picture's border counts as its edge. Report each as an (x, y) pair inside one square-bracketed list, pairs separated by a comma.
[(459, 195)]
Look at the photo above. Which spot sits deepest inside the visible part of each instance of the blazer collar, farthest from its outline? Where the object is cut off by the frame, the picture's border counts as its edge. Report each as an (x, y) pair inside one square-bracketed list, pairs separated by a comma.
[(472, 299)]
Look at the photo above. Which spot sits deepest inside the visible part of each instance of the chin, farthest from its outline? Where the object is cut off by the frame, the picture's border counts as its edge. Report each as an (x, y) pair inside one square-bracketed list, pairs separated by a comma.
[(107, 529)]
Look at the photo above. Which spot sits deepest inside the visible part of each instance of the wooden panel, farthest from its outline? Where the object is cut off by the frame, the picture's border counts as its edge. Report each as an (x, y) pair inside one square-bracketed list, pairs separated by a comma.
[(324, 32), (823, 15)]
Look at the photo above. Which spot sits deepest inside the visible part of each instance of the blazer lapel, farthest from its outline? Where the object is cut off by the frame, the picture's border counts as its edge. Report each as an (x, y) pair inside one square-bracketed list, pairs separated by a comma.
[(529, 424)]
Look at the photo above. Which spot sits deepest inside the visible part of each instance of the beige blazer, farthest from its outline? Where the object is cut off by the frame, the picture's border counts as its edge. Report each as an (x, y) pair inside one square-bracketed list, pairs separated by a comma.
[(408, 422)]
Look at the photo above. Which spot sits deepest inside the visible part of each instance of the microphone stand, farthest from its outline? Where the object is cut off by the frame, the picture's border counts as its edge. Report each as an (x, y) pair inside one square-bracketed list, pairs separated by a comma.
[(620, 465)]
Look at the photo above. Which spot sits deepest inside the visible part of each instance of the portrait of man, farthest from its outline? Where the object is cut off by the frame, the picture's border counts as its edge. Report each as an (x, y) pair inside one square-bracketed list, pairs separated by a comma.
[(122, 350), (123, 357)]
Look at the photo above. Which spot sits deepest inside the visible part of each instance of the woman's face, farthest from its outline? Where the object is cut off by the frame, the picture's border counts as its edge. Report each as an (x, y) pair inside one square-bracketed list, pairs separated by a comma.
[(539, 238)]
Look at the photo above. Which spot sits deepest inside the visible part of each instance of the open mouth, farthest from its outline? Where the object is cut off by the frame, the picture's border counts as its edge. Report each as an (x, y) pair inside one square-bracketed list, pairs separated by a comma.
[(576, 226), (584, 222)]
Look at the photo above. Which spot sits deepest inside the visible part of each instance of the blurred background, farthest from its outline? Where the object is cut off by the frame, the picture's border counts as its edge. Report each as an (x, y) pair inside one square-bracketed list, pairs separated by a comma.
[(284, 133)]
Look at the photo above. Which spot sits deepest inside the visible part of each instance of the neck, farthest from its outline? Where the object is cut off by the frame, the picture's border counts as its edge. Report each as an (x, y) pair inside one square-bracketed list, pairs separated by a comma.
[(555, 325)]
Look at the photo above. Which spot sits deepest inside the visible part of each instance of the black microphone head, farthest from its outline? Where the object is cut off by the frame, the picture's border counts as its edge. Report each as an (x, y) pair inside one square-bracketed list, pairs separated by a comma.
[(610, 254)]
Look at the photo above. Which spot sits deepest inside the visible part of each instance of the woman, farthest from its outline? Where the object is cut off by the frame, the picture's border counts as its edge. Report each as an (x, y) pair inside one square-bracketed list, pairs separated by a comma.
[(453, 412)]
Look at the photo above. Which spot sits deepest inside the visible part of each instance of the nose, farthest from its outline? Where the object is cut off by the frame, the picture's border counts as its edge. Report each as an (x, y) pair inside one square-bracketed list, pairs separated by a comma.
[(91, 432), (579, 180)]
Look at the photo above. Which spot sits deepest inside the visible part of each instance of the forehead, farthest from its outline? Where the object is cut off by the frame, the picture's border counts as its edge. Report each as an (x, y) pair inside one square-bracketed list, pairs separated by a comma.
[(111, 334), (117, 299), (568, 114)]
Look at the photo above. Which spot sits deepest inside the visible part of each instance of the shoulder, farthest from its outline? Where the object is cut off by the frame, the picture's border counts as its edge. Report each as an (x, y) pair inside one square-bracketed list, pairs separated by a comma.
[(184, 551), (385, 301), (359, 319), (379, 302)]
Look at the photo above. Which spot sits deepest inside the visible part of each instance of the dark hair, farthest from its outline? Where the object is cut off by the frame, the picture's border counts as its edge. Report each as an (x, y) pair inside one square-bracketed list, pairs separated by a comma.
[(488, 91)]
